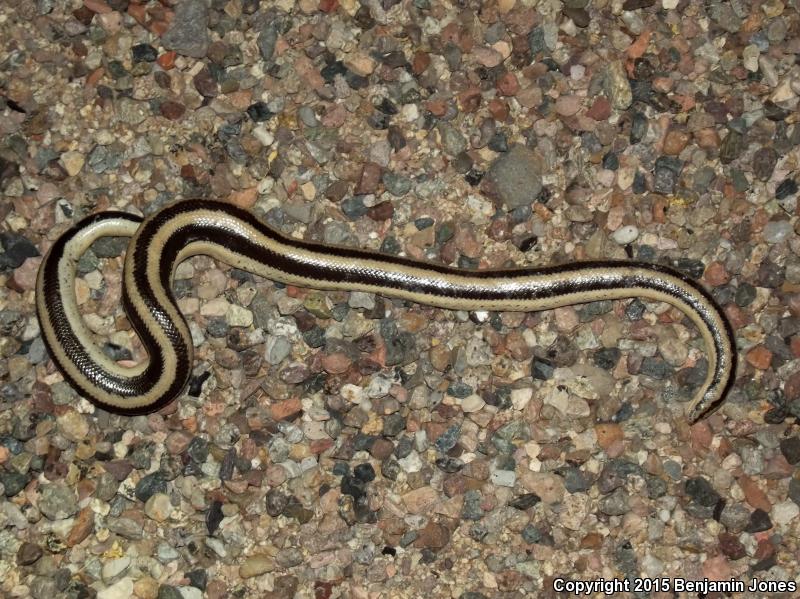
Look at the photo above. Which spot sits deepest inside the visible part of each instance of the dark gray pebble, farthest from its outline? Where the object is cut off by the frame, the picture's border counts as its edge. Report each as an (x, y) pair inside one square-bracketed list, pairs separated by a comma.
[(16, 249), (471, 509), (786, 188), (703, 498), (525, 501), (144, 53), (790, 448), (606, 358), (149, 485), (731, 147), (393, 425), (166, 591), (214, 516), (614, 474), (656, 368), (13, 482), (759, 522), (259, 112), (542, 369)]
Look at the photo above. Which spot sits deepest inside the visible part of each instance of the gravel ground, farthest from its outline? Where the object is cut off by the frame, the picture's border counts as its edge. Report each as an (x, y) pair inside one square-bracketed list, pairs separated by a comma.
[(347, 445)]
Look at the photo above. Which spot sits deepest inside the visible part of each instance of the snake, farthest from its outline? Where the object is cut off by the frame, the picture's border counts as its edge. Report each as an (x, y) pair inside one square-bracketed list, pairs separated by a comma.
[(237, 237)]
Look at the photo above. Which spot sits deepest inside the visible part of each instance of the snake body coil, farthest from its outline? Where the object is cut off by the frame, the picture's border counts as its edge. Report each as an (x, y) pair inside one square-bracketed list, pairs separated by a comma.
[(238, 238)]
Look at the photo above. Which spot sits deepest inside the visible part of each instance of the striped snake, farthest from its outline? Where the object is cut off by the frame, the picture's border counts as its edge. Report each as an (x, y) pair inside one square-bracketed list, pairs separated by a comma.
[(238, 238)]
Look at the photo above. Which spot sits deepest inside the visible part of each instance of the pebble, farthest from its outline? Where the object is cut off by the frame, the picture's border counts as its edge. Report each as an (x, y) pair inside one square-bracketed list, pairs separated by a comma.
[(188, 32), (703, 497), (608, 435), (731, 547), (503, 478), (268, 38), (115, 568), (785, 512), (236, 316), (750, 56), (716, 274), (735, 517), (568, 105), (16, 250), (615, 504), (255, 565), (28, 554), (516, 178), (131, 112), (759, 521), (72, 162), (675, 141), (626, 234), (600, 109), (171, 110), (57, 501), (617, 86), (777, 231), (149, 485), (731, 147), (547, 486), (764, 161), (158, 507), (786, 188), (143, 53), (472, 403), (397, 185), (73, 425), (452, 140), (123, 589), (432, 536)]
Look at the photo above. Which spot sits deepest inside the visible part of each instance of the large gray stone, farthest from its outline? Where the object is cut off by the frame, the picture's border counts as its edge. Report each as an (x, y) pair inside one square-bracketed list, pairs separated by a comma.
[(515, 176), (188, 34)]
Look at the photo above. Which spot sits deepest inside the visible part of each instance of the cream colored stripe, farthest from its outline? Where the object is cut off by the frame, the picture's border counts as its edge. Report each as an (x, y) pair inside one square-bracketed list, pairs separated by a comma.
[(504, 284), (327, 262)]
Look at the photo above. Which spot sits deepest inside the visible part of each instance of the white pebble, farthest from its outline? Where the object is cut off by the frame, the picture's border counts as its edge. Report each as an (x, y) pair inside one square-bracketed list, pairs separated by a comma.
[(238, 316), (359, 299), (652, 566), (411, 463), (189, 592), (121, 590), (520, 398), (577, 72), (215, 307), (605, 177), (504, 478), (352, 393), (115, 567), (785, 512), (625, 235), (750, 57), (378, 387), (472, 403), (265, 137)]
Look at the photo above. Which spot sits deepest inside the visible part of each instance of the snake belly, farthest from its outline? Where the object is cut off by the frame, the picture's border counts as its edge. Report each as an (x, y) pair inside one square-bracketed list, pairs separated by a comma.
[(235, 236)]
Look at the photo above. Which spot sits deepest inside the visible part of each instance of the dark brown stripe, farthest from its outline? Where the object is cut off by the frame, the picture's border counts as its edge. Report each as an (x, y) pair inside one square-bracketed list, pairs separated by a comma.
[(65, 336), (216, 233)]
